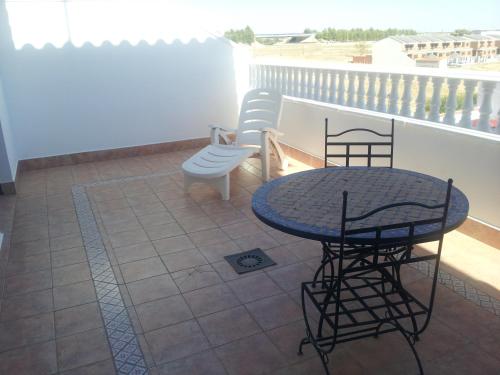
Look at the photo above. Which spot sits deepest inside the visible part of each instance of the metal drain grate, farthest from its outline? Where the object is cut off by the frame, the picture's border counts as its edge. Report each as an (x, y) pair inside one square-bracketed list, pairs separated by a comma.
[(249, 261)]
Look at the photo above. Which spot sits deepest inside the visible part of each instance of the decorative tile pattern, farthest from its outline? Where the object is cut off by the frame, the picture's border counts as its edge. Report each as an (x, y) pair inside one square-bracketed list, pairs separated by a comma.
[(127, 353), (459, 286)]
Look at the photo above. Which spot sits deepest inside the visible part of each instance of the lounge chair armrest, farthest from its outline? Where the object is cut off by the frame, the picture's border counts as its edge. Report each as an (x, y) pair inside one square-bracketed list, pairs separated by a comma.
[(217, 132), (214, 127), (272, 131)]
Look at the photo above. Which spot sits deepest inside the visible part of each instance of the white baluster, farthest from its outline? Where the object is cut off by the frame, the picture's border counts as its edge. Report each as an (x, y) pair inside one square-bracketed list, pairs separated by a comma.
[(325, 85), (296, 81), (283, 80), (486, 109), (289, 81), (317, 84), (437, 82), (393, 100), (333, 86), (310, 83), (370, 104), (303, 83), (341, 88), (451, 102), (265, 76), (274, 78), (466, 120), (406, 100), (351, 91), (422, 87), (382, 93), (361, 90)]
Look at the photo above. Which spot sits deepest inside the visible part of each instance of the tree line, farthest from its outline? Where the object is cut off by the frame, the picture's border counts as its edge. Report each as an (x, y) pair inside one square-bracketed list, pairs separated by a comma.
[(245, 35), (356, 35)]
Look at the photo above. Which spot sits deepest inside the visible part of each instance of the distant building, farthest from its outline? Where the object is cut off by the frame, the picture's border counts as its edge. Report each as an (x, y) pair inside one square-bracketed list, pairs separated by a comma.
[(288, 38), (406, 50)]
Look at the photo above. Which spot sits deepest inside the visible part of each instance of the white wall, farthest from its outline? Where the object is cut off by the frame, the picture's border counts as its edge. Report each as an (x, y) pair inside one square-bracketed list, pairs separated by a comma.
[(69, 99), (387, 52), (8, 154), (470, 158)]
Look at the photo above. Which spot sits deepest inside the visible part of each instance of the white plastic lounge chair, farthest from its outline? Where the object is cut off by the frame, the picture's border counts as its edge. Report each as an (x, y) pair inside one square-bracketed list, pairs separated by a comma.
[(257, 131)]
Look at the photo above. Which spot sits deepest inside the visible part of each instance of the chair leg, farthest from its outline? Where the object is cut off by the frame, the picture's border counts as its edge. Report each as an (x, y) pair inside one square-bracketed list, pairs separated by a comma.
[(280, 154), (222, 184), (188, 180)]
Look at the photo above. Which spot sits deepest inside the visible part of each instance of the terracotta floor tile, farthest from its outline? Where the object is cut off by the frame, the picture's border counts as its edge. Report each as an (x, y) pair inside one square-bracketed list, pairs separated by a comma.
[(77, 319), (205, 363), (157, 232), (25, 331), (173, 244), (159, 218), (208, 237), (261, 240), (73, 294), (25, 305), (177, 341), (64, 229), (183, 260), (196, 224), (122, 226), (163, 312), (217, 252), (254, 287), (71, 274), (152, 288), (24, 249), (128, 238), (82, 349), (68, 257), (105, 367), (29, 282), (227, 273), (291, 277), (36, 359), (65, 242), (275, 311), (287, 339), (28, 264), (251, 355), (135, 252), (228, 325), (142, 269), (241, 229), (148, 209), (196, 278), (211, 299)]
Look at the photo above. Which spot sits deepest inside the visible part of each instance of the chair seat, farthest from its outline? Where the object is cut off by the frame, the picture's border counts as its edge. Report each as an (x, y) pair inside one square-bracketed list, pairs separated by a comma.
[(216, 160)]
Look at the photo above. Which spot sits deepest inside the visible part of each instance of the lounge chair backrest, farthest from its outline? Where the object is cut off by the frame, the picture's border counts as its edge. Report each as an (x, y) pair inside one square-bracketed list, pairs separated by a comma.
[(261, 108)]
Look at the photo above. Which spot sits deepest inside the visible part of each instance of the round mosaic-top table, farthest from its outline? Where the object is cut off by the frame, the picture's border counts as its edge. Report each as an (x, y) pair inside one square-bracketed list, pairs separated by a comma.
[(309, 204)]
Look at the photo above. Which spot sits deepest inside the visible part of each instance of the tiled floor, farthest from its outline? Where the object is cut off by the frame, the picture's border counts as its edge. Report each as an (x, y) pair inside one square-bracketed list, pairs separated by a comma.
[(190, 312)]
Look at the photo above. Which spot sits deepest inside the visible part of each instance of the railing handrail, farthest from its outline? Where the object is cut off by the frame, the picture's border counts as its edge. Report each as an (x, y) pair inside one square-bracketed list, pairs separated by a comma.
[(370, 68)]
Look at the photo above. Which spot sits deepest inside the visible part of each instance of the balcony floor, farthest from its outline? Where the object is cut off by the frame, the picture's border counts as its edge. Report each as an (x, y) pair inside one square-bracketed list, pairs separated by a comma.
[(190, 312)]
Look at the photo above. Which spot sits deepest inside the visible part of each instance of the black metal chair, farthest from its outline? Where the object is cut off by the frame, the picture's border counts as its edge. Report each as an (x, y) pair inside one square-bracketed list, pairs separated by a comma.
[(374, 150), (362, 294)]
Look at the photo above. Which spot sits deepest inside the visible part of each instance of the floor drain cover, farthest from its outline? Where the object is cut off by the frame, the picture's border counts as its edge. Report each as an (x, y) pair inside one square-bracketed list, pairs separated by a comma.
[(249, 261)]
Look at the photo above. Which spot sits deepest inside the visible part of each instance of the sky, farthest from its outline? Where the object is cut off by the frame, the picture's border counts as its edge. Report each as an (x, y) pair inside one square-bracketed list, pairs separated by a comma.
[(285, 16)]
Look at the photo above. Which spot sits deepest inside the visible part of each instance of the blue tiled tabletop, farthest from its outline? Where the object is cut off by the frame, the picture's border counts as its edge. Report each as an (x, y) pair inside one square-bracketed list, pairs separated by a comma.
[(308, 204)]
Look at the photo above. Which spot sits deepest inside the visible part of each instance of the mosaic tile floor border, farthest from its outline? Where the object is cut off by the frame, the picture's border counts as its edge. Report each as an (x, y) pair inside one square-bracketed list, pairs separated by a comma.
[(127, 353), (459, 286)]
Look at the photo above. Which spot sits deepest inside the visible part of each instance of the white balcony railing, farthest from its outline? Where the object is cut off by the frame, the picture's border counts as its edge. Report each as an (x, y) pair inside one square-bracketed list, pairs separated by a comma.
[(463, 99)]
